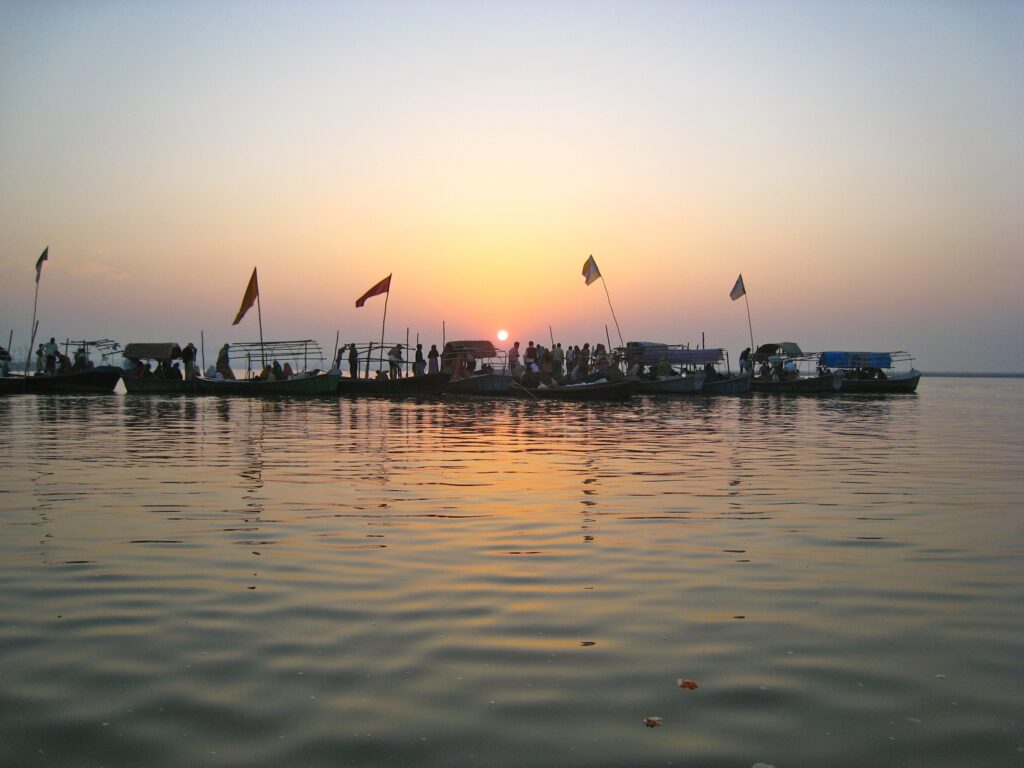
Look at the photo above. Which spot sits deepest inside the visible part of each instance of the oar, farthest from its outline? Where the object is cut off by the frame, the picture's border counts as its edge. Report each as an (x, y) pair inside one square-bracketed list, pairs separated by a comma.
[(527, 391)]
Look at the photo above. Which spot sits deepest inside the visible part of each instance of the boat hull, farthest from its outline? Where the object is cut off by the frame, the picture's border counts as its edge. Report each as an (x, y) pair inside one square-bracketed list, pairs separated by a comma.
[(12, 385), (300, 386), (99, 380), (155, 386), (826, 384), (733, 385), (486, 384), (892, 385), (613, 390), (410, 386), (670, 385)]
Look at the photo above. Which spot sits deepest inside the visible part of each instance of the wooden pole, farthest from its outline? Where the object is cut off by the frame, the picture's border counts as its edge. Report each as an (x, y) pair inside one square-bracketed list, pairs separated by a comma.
[(35, 326), (604, 282), (552, 335), (337, 338), (259, 314), (385, 319), (609, 338), (407, 352), (749, 325), (202, 347)]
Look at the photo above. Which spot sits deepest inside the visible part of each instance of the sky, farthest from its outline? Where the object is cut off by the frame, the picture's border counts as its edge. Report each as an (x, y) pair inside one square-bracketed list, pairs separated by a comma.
[(860, 163)]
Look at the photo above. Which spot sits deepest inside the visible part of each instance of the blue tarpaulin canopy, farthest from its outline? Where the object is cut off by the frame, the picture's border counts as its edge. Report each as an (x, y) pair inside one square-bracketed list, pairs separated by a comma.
[(856, 359)]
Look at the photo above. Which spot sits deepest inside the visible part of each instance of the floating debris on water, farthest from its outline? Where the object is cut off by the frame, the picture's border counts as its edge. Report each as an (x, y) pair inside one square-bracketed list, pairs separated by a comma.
[(652, 722), (690, 685)]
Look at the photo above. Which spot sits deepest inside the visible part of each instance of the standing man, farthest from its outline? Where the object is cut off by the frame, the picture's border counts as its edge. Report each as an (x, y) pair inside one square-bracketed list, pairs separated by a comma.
[(50, 354), (353, 361), (188, 359)]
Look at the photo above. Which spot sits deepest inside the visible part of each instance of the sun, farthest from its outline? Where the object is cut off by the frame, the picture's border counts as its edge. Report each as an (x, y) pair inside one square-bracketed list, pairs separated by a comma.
[(502, 335)]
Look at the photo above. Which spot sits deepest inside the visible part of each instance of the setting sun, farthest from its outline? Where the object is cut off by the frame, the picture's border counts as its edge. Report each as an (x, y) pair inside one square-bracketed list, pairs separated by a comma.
[(502, 335)]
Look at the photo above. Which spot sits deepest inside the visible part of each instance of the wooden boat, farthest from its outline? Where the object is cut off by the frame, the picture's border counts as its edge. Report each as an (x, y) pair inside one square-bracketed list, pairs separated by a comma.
[(9, 385), (266, 383), (708, 365), (777, 370), (476, 368), (381, 385), (99, 380), (731, 384), (139, 380), (873, 372), (595, 390), (12, 385), (83, 377), (300, 385), (685, 384)]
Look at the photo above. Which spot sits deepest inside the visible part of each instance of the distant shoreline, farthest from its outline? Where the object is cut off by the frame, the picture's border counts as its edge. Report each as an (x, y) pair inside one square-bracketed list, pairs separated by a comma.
[(970, 375)]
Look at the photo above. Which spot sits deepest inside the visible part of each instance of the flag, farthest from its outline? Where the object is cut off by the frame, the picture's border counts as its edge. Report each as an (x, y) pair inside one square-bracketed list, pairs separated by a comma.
[(384, 286), (39, 263), (738, 290), (590, 270), (251, 292)]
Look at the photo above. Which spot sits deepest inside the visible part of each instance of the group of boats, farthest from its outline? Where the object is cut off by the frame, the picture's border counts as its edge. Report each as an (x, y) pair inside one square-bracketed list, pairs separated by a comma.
[(468, 368)]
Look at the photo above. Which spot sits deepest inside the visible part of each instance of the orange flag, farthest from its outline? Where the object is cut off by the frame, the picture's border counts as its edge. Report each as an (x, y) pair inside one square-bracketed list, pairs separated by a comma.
[(384, 286), (251, 292)]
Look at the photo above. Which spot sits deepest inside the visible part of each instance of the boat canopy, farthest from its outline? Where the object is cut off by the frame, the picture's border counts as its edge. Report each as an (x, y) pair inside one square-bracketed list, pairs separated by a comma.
[(783, 349), (650, 353), (478, 350), (162, 350), (856, 359)]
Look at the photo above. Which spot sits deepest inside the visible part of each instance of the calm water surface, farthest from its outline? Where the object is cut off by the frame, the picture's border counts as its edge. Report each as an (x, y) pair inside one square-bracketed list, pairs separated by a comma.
[(208, 582)]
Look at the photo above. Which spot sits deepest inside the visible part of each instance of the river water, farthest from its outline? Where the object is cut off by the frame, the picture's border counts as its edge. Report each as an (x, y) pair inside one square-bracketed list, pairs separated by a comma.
[(229, 582)]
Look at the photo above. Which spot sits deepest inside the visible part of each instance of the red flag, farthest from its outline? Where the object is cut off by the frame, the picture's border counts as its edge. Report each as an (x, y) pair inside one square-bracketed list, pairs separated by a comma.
[(251, 292), (384, 286)]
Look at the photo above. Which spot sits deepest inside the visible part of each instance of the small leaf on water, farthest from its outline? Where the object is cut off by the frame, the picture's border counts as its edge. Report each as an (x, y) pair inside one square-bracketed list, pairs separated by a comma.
[(690, 685), (652, 722)]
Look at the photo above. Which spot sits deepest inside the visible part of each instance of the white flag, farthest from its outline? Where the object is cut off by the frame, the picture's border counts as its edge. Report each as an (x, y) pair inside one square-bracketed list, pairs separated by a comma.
[(590, 270), (738, 290)]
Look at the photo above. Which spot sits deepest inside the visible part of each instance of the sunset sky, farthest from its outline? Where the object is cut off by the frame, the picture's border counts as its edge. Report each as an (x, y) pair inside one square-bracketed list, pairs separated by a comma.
[(861, 163)]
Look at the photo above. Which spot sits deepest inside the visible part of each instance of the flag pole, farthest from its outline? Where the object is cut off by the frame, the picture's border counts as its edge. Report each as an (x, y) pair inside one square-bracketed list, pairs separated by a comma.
[(385, 318), (604, 282), (32, 340), (749, 326), (259, 314)]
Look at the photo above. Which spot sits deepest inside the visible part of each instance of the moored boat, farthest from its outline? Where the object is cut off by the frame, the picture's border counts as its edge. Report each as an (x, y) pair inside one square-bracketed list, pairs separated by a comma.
[(388, 380), (12, 385), (300, 385), (678, 369), (81, 376), (476, 368), (781, 368), (273, 379), (873, 372), (9, 385), (602, 389), (167, 379)]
